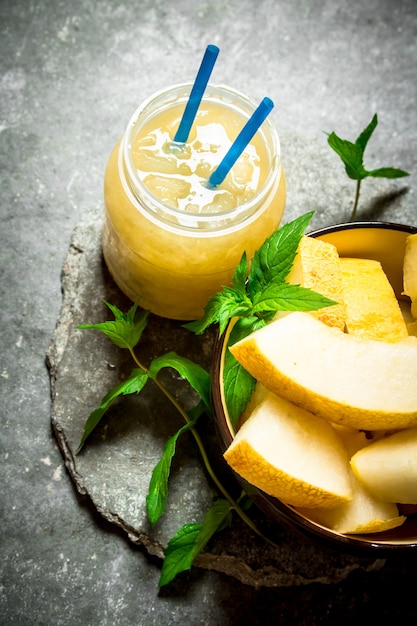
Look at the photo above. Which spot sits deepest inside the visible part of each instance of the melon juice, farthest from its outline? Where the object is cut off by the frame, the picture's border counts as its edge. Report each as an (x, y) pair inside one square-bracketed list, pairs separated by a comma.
[(169, 241)]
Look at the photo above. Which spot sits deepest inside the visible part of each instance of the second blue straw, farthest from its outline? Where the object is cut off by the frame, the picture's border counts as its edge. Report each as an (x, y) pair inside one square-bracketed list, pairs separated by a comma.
[(240, 143)]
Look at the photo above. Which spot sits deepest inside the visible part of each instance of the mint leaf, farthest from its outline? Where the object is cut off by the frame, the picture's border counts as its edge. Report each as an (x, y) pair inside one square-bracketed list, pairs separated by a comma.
[(275, 257), (238, 384), (218, 517), (190, 540), (133, 384), (240, 274), (196, 376), (238, 388), (387, 172), (362, 141), (220, 309), (126, 329), (351, 155), (289, 297), (158, 485), (179, 554)]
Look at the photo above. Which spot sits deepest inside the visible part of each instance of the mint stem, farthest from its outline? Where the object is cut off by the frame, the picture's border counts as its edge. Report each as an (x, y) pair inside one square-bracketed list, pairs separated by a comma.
[(355, 204)]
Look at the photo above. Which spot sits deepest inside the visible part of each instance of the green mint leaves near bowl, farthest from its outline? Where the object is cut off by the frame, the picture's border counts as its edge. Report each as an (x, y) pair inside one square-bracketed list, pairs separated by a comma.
[(257, 295)]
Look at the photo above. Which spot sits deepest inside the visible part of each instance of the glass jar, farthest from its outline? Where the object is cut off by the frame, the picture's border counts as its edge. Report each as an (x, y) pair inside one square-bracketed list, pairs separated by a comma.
[(168, 259)]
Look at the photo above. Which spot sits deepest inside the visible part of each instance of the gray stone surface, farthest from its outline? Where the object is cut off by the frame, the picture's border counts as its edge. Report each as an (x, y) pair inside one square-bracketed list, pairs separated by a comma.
[(70, 76)]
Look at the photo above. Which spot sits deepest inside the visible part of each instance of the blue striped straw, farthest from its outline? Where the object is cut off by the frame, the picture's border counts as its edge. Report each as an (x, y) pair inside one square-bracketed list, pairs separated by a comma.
[(196, 94), (240, 143)]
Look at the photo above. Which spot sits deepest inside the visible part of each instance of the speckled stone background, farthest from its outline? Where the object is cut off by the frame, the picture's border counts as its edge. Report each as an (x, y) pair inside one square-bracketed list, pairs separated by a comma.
[(71, 73)]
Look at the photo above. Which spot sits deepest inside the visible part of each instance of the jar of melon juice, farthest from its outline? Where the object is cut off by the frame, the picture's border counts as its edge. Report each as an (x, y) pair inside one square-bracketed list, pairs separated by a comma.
[(169, 241)]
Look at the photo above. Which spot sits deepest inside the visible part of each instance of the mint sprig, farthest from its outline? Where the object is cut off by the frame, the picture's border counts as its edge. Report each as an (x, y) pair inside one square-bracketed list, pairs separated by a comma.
[(352, 155), (125, 331), (262, 291), (257, 295)]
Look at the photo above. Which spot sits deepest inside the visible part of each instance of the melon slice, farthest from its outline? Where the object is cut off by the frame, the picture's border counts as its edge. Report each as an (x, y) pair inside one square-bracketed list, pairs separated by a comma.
[(372, 309), (364, 513), (388, 467), (410, 272), (291, 455), (362, 383), (317, 267)]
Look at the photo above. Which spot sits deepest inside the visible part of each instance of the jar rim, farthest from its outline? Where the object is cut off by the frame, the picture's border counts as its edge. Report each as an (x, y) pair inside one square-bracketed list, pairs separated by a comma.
[(177, 217)]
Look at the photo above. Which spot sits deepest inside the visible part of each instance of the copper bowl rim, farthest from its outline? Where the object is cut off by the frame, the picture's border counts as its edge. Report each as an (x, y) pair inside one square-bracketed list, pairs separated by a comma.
[(378, 544)]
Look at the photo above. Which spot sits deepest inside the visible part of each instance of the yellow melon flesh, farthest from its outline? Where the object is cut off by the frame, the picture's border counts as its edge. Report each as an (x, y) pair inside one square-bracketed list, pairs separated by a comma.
[(352, 439), (317, 267), (410, 272), (363, 514), (291, 455), (365, 384), (388, 467), (372, 309)]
